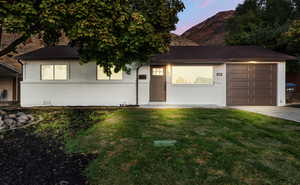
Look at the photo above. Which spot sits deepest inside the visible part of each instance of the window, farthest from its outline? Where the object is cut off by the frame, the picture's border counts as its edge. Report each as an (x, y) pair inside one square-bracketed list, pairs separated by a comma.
[(192, 75), (114, 76), (54, 72), (158, 71)]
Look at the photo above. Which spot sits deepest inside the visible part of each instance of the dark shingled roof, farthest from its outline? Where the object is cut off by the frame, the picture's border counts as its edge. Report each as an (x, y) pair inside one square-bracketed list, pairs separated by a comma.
[(221, 54), (180, 54), (51, 53)]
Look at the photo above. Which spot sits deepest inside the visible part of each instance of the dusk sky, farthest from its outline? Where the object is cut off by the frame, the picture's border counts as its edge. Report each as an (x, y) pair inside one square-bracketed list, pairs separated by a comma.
[(197, 11)]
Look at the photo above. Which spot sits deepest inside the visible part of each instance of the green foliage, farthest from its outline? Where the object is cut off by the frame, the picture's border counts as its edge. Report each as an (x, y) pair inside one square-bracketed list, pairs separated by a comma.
[(266, 23), (65, 123), (292, 38), (114, 33)]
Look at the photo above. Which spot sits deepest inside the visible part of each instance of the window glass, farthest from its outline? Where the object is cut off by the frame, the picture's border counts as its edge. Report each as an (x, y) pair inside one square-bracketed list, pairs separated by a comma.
[(114, 76), (157, 71), (192, 75), (47, 72), (54, 72), (60, 72)]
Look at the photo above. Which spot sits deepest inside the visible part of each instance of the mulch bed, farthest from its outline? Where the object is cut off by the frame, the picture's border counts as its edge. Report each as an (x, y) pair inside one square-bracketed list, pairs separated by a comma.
[(29, 159)]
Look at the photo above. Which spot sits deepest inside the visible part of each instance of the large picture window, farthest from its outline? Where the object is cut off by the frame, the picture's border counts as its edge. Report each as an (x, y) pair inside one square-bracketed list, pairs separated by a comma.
[(192, 75), (114, 76), (54, 72)]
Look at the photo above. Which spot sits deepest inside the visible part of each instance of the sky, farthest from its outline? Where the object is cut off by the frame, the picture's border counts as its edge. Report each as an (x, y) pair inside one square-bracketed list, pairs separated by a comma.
[(197, 11)]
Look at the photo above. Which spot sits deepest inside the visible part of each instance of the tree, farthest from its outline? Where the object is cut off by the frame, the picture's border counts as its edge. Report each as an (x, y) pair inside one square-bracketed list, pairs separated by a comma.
[(260, 22), (265, 23), (114, 33), (291, 41)]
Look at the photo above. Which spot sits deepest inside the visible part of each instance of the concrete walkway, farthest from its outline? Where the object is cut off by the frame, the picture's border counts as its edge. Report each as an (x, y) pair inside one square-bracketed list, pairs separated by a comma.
[(288, 113), (168, 106)]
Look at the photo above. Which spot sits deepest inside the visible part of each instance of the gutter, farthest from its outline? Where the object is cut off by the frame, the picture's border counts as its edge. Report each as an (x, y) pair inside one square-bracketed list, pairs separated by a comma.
[(19, 61)]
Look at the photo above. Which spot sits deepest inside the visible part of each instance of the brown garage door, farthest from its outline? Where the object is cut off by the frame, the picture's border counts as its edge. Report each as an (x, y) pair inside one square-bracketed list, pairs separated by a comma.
[(251, 84)]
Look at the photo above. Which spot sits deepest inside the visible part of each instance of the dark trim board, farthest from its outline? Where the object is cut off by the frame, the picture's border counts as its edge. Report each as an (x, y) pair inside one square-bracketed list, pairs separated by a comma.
[(251, 84)]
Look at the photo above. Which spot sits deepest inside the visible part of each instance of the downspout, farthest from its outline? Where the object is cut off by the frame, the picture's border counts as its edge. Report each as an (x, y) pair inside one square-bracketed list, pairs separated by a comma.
[(18, 82), (19, 61), (137, 86)]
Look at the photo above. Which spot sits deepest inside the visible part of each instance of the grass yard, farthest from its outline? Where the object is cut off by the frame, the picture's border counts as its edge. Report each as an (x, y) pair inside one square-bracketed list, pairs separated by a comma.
[(214, 146)]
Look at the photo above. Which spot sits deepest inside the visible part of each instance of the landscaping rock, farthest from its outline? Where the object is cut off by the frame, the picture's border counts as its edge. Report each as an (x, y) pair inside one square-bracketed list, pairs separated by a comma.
[(2, 125), (14, 120), (2, 112), (19, 114), (30, 117), (10, 123), (22, 121), (12, 116), (23, 117)]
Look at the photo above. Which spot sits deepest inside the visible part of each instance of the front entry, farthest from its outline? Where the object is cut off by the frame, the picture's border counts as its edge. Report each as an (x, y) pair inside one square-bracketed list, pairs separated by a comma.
[(158, 84)]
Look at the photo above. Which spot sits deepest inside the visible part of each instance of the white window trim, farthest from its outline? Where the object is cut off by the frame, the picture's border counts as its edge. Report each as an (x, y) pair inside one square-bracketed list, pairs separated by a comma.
[(109, 80), (41, 72), (194, 85)]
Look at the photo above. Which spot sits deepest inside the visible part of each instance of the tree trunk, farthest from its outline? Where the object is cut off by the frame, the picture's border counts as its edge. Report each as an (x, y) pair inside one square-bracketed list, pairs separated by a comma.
[(1, 31)]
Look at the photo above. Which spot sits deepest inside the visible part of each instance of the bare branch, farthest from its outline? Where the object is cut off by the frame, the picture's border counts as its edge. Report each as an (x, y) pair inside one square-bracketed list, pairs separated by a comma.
[(12, 46)]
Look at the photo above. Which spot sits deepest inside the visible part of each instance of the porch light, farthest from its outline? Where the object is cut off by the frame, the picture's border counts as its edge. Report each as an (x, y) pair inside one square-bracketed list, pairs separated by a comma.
[(169, 68)]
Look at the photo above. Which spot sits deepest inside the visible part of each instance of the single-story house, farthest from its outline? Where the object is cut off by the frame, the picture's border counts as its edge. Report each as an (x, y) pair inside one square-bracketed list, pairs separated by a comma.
[(9, 83), (201, 75)]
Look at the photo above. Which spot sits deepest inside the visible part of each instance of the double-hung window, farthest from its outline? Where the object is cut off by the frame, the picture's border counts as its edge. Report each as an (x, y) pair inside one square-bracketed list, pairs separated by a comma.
[(103, 76), (54, 72), (201, 75)]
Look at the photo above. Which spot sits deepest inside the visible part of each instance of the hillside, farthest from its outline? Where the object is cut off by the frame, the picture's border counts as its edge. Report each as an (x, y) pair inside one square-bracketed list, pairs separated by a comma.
[(211, 31), (31, 44), (181, 41)]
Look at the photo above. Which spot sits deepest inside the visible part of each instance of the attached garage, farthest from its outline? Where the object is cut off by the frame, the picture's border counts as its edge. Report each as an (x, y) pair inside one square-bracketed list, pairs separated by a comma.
[(252, 84)]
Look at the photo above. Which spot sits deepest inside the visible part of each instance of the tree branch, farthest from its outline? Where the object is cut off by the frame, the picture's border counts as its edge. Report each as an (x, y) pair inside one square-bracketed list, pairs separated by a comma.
[(12, 46)]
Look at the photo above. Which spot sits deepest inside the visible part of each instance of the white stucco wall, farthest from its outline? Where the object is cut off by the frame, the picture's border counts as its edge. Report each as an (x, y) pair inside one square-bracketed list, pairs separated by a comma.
[(214, 94), (82, 88), (281, 84)]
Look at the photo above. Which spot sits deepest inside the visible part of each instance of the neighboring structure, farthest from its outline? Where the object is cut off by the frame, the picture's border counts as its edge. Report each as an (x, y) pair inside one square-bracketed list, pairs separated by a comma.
[(177, 40), (10, 68), (234, 75), (9, 84)]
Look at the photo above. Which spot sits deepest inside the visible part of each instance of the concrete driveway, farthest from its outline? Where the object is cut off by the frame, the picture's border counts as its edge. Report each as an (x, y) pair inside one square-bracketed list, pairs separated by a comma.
[(288, 113)]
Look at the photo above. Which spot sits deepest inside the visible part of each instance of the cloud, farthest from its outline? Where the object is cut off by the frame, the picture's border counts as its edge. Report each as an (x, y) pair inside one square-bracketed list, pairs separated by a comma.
[(206, 3)]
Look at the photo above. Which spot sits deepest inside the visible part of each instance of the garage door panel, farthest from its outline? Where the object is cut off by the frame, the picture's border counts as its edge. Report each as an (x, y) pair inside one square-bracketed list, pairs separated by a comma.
[(262, 67), (263, 85), (262, 101), (240, 93), (264, 77), (241, 101), (239, 76), (263, 92), (239, 68), (239, 84), (251, 84)]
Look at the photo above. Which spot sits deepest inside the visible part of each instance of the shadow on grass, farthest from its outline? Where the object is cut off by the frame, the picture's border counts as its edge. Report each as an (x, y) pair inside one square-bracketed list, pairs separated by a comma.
[(26, 158), (37, 156)]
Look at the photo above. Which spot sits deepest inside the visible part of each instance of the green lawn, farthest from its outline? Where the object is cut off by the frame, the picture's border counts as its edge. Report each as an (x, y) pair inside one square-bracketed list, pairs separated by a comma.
[(214, 146)]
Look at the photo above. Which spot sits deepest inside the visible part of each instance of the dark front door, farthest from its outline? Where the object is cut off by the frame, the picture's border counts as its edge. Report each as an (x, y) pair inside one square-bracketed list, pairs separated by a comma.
[(252, 84), (158, 84)]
